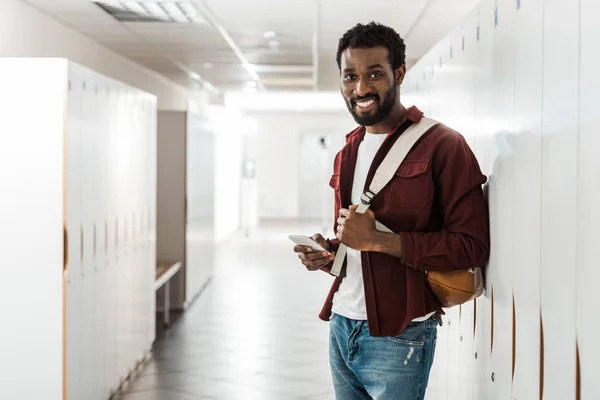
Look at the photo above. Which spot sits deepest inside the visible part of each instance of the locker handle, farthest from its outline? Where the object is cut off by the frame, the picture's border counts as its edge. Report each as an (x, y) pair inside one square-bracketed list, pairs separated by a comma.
[(117, 238), (65, 247), (106, 237), (82, 251), (95, 242), (81, 245)]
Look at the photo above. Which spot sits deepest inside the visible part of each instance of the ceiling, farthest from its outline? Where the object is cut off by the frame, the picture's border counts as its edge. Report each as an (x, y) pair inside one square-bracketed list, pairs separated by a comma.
[(230, 44)]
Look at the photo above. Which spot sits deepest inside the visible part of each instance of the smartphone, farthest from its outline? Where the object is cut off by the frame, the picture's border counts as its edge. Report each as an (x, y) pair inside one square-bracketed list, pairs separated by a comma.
[(302, 240)]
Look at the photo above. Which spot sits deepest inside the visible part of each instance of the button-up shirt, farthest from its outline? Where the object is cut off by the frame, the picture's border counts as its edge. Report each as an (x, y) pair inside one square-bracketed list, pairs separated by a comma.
[(435, 202)]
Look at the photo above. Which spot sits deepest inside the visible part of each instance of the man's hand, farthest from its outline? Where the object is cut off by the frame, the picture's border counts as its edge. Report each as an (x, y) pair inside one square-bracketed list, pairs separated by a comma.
[(314, 260), (357, 230)]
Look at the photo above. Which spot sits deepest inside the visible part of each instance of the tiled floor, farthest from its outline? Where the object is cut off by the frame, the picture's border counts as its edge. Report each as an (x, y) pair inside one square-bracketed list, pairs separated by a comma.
[(254, 334)]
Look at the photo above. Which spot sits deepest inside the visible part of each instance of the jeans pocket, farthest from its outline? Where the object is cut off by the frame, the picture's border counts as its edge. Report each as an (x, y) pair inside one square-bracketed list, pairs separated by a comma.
[(413, 335)]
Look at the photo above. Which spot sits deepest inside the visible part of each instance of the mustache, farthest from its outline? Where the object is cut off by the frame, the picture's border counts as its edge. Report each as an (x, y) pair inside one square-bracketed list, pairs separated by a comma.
[(354, 100)]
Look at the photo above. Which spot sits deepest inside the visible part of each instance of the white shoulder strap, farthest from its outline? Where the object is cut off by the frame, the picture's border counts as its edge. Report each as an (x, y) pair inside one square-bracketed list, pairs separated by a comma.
[(384, 174)]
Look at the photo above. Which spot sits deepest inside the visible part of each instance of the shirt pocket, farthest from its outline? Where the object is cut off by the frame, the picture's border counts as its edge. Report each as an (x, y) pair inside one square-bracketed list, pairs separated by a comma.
[(334, 182), (411, 184)]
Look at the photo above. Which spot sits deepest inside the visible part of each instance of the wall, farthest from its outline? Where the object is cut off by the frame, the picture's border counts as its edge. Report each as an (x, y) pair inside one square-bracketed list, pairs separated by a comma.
[(275, 149), (228, 125), (170, 205), (522, 89), (27, 32)]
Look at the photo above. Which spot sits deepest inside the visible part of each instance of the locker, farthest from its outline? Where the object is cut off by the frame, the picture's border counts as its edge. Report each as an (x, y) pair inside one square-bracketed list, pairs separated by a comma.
[(85, 134), (588, 327), (75, 282), (33, 144), (559, 197), (501, 180), (528, 197), (486, 151), (87, 211), (532, 132)]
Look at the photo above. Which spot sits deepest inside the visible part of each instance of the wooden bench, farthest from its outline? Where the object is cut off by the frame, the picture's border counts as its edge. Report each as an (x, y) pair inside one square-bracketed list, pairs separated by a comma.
[(164, 272)]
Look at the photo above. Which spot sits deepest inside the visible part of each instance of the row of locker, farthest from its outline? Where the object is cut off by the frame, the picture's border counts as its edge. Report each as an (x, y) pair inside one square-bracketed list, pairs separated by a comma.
[(518, 80), (78, 231), (111, 202)]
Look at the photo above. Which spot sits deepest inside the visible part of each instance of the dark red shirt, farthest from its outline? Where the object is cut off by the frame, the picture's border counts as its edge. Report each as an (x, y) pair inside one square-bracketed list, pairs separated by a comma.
[(435, 202)]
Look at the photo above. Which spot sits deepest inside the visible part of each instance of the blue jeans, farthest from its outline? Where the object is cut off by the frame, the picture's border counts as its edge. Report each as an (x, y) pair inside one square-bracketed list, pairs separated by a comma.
[(383, 368)]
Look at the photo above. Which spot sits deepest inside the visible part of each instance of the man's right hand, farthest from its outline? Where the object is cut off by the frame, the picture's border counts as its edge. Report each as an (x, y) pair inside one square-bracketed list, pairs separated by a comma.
[(314, 260)]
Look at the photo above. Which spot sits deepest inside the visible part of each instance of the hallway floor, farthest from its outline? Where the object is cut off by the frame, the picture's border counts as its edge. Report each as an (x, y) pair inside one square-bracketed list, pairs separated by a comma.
[(253, 334)]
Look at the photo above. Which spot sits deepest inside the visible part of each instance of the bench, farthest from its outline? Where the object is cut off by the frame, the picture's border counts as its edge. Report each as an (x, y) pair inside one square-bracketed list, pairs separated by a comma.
[(164, 272)]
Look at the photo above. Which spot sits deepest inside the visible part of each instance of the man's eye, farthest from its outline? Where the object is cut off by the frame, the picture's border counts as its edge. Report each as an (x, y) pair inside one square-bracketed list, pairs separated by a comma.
[(349, 77), (376, 75)]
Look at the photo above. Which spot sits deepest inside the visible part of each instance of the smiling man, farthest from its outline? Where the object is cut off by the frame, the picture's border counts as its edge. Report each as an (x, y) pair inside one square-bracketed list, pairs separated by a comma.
[(383, 316)]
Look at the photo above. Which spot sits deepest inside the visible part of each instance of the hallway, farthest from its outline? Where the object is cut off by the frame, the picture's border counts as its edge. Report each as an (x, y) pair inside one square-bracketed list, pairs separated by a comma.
[(254, 332)]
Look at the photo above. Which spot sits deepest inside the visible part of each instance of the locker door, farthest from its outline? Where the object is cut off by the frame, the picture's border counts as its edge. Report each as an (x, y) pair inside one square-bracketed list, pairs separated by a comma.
[(121, 264), (588, 326), (86, 231), (464, 54), (100, 391), (74, 283), (111, 264), (528, 192), (486, 151), (559, 196), (501, 19)]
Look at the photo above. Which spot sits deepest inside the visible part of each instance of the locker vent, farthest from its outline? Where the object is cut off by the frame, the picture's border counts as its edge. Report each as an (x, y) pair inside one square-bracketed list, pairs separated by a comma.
[(176, 12)]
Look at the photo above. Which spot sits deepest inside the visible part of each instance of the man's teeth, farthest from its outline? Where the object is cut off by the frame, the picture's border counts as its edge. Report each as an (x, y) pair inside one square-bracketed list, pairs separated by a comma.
[(365, 103)]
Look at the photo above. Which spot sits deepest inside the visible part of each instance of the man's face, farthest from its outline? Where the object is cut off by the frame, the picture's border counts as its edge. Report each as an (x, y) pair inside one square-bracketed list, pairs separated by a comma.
[(369, 85)]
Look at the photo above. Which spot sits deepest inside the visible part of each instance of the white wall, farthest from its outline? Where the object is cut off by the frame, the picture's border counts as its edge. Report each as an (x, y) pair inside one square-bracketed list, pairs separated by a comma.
[(27, 32), (525, 96), (275, 149), (228, 125)]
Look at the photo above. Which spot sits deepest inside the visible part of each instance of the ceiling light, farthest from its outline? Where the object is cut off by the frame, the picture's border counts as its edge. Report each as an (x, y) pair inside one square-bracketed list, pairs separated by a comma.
[(282, 69), (269, 35), (155, 10), (274, 44), (208, 65), (195, 75), (181, 11)]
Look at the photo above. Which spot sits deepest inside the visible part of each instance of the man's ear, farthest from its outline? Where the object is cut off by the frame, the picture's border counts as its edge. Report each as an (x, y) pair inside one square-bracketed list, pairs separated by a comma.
[(400, 74)]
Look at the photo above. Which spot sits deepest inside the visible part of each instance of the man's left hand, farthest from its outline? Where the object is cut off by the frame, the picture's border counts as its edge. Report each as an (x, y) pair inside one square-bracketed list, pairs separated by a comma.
[(356, 230)]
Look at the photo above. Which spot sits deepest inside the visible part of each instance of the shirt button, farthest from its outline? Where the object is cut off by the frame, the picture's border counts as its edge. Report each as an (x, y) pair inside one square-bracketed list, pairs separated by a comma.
[(410, 264)]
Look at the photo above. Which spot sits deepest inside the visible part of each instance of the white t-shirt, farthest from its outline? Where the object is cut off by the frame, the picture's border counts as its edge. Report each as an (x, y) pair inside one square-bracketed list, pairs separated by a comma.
[(349, 300)]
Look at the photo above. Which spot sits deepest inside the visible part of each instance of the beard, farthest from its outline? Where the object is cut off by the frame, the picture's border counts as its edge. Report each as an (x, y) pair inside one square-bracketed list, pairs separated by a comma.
[(382, 111)]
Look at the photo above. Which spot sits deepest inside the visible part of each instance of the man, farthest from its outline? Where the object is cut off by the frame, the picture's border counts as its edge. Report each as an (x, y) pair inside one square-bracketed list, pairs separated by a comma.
[(383, 316)]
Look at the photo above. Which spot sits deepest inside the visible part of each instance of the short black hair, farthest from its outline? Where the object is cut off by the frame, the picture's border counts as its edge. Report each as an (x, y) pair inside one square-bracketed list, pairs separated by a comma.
[(370, 35)]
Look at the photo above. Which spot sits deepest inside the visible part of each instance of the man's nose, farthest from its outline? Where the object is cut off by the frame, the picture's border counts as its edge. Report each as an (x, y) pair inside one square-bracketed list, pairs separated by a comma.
[(362, 88)]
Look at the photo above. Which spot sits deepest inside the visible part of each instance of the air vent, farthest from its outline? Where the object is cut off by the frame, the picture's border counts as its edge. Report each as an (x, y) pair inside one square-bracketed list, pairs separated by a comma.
[(152, 11)]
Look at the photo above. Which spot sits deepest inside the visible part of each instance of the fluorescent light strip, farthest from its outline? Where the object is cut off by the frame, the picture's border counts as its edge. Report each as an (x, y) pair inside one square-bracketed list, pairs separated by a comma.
[(135, 7), (214, 21), (155, 10)]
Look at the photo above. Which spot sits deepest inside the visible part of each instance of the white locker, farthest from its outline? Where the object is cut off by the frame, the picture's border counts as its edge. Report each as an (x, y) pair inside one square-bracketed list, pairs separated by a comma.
[(87, 207), (559, 196), (74, 209), (83, 145), (588, 251), (528, 197), (464, 50), (501, 178), (486, 151), (533, 81), (32, 210)]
